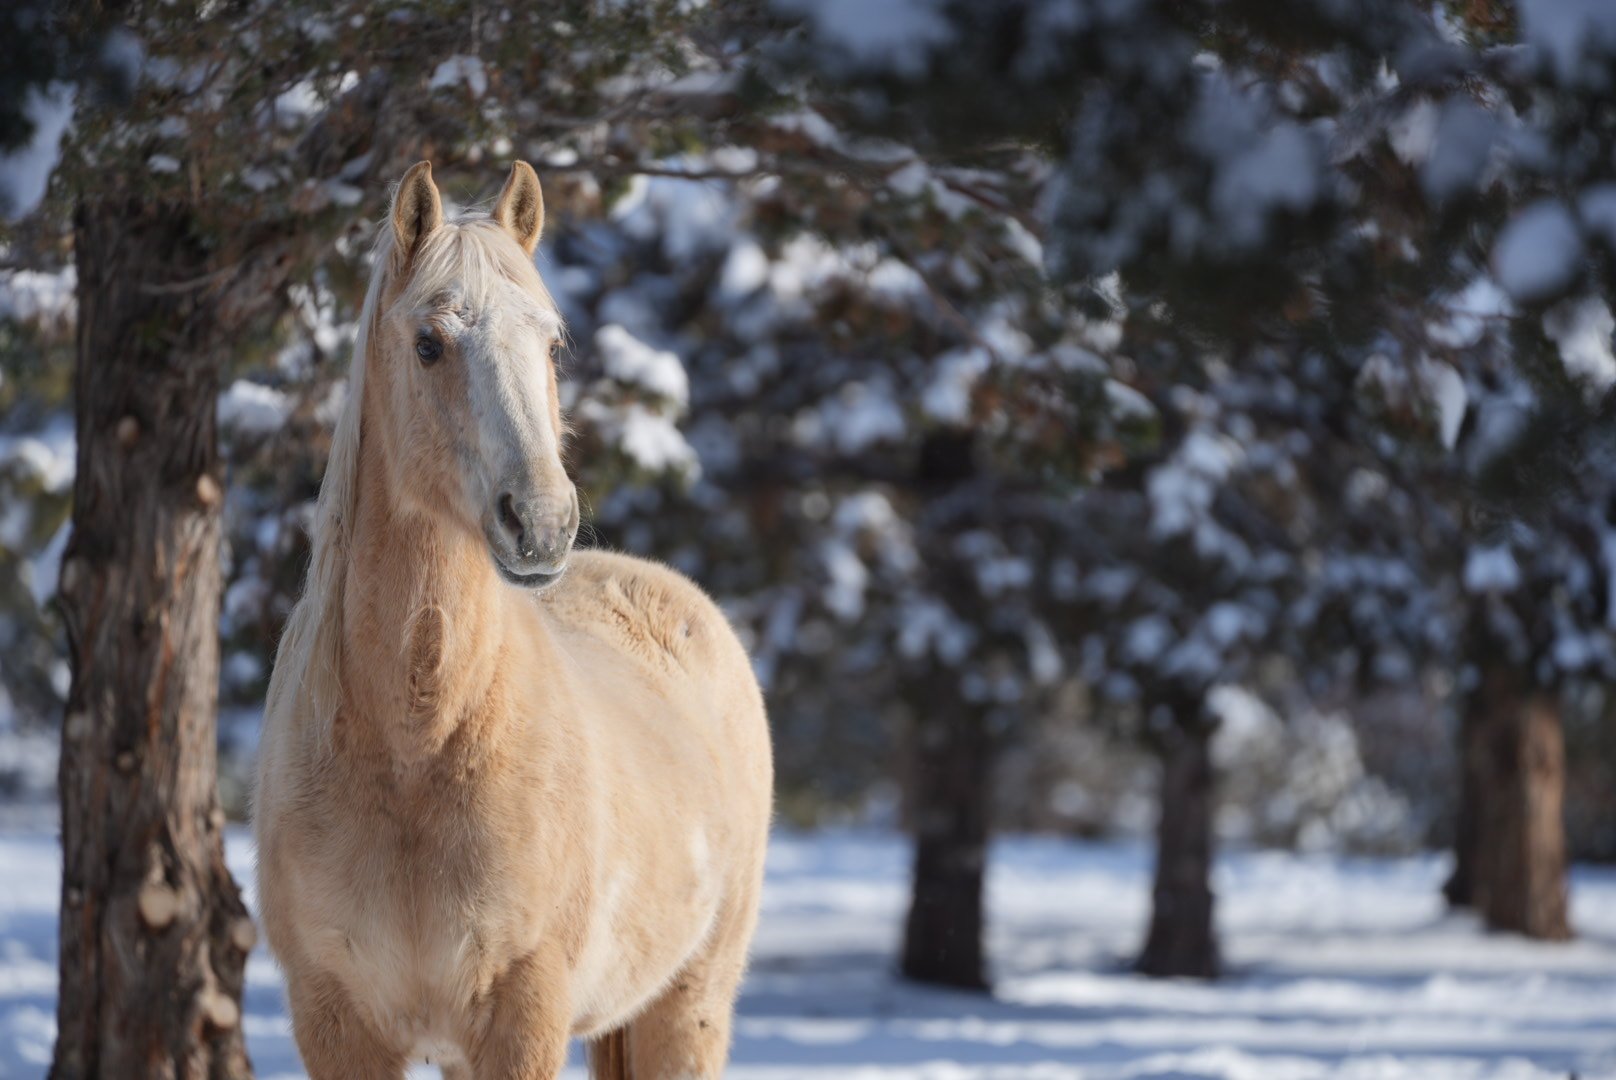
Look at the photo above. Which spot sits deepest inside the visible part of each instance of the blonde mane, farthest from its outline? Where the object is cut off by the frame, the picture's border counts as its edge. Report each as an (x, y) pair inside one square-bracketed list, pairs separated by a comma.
[(473, 253)]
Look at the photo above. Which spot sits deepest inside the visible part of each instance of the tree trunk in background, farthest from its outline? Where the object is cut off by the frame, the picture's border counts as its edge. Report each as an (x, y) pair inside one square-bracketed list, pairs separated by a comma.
[(951, 768), (1517, 749), (1460, 888), (154, 934), (1182, 939)]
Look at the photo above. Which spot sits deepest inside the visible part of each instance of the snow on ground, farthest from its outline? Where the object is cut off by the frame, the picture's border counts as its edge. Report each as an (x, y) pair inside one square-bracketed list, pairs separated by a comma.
[(1340, 968)]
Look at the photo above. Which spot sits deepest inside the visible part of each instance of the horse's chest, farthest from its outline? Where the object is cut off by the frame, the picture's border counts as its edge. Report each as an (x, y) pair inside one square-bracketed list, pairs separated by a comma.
[(404, 951), (409, 926)]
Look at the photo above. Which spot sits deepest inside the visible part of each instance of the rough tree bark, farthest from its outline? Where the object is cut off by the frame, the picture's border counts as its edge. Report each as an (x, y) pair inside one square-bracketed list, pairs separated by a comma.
[(950, 765), (1182, 940), (1514, 754), (154, 935)]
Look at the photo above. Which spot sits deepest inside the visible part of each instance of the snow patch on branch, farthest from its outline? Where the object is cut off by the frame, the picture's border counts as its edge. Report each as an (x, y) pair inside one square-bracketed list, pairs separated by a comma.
[(649, 439), (1491, 570), (1539, 253), (49, 456), (1181, 490), (39, 298), (1578, 37), (896, 36), (464, 71), (253, 409), (632, 362), (25, 172), (1581, 327)]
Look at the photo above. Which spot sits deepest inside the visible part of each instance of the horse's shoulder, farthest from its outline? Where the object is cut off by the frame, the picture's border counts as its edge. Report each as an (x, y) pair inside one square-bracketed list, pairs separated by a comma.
[(651, 609)]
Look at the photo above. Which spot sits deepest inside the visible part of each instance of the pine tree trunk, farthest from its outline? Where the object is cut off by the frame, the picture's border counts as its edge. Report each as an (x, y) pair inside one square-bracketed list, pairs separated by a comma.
[(1520, 852), (154, 934), (1460, 888), (949, 800), (1182, 939)]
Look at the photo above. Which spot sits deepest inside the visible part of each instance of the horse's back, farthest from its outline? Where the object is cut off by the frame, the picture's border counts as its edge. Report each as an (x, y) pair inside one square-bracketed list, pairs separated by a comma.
[(661, 623)]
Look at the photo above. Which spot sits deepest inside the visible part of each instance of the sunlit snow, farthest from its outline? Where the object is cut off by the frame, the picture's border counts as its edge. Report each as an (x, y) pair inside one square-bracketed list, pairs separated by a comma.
[(1339, 969)]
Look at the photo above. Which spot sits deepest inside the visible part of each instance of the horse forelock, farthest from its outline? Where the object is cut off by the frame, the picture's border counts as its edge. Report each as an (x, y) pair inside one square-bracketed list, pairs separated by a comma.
[(471, 263)]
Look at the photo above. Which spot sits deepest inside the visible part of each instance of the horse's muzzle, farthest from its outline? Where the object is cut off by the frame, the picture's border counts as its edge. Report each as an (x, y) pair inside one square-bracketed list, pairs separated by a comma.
[(532, 536)]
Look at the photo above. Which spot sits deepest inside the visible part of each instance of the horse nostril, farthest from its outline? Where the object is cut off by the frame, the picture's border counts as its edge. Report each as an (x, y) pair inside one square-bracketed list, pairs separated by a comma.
[(508, 519)]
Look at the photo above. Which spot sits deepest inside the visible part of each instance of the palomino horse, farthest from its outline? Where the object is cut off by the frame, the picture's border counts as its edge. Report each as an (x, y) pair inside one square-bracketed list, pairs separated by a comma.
[(508, 793)]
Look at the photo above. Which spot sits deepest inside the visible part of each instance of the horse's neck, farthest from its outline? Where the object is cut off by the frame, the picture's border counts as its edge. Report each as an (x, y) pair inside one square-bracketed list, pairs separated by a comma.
[(425, 621)]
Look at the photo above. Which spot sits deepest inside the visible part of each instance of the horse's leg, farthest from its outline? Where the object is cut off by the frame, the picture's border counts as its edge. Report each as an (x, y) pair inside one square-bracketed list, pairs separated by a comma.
[(336, 1042), (608, 1056), (685, 1033), (524, 1034)]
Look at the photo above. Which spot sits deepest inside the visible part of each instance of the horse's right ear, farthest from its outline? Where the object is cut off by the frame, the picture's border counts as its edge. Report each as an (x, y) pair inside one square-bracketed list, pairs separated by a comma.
[(417, 210)]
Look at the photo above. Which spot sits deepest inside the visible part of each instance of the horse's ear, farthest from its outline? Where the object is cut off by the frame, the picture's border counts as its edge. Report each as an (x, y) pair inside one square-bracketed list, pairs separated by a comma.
[(417, 210), (521, 206)]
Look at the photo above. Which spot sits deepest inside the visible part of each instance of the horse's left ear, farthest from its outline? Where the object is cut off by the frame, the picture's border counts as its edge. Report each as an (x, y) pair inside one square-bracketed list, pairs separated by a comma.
[(521, 206)]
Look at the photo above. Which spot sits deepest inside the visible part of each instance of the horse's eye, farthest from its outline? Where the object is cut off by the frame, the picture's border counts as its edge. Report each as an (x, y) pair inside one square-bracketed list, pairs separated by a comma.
[(428, 349)]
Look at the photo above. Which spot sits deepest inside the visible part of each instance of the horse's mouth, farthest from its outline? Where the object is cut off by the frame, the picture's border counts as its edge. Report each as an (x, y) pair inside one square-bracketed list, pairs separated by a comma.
[(536, 580)]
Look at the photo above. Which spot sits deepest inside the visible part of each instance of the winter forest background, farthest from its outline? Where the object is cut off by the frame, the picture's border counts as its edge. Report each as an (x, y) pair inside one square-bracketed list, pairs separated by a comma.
[(1175, 436)]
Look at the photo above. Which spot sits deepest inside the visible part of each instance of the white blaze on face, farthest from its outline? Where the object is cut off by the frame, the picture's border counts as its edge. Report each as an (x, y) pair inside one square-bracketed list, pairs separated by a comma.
[(507, 355)]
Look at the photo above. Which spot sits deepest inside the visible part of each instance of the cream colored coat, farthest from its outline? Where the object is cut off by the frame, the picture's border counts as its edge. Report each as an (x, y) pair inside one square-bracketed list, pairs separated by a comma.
[(489, 818)]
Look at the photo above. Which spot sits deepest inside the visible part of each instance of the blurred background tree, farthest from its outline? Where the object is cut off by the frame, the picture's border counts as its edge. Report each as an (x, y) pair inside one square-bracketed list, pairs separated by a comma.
[(1357, 192)]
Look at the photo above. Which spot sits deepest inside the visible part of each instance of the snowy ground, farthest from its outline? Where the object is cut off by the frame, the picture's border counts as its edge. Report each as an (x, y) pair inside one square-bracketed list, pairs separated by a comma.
[(1341, 968)]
